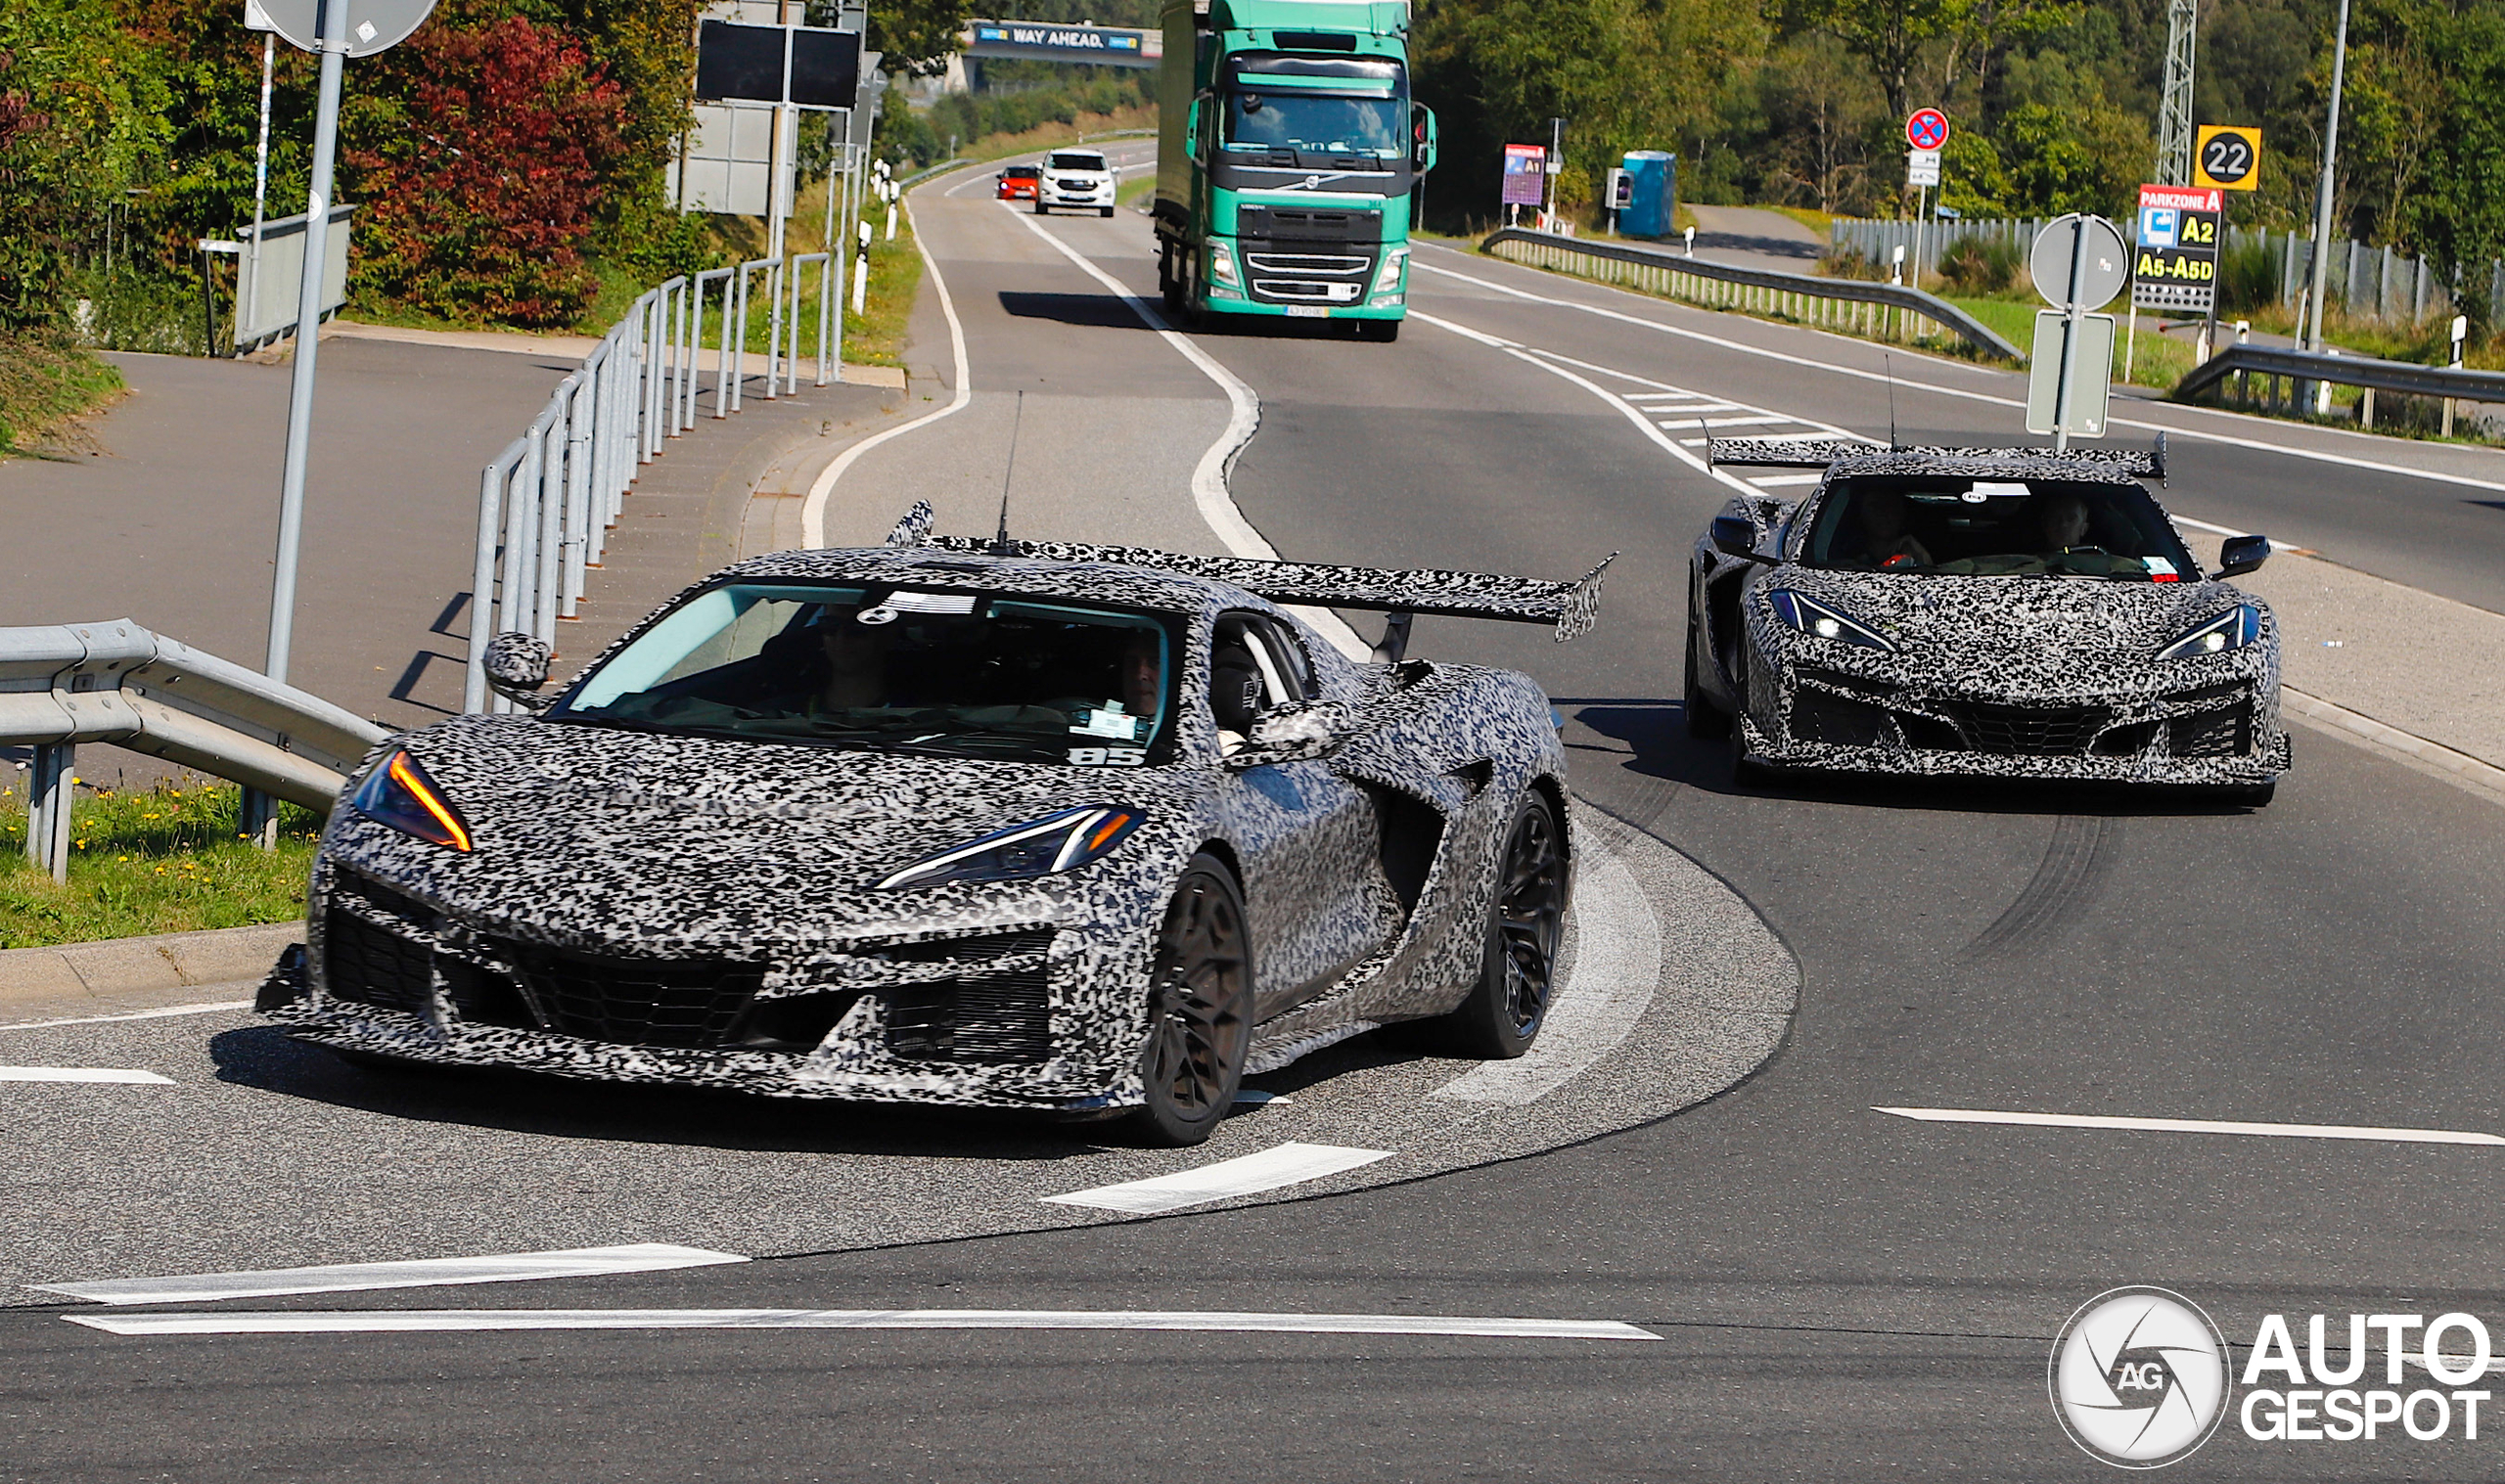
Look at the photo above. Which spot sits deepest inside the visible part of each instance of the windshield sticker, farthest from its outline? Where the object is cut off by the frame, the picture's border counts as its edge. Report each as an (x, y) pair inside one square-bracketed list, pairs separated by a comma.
[(1109, 757), (1984, 489), (2161, 570), (1107, 720)]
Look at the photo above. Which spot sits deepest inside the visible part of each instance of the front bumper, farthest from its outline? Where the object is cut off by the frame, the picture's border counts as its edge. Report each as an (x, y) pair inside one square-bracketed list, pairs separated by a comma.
[(2224, 733), (1010, 1015)]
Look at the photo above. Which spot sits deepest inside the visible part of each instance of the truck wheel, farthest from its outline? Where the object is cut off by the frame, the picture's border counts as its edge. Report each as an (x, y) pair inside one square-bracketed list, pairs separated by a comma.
[(1382, 330), (1169, 288)]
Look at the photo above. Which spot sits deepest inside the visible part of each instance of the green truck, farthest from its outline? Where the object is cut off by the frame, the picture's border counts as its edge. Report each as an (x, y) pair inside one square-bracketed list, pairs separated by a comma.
[(1289, 159)]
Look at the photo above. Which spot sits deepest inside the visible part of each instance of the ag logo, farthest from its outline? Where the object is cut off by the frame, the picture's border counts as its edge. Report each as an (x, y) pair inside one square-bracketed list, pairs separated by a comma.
[(2139, 1378)]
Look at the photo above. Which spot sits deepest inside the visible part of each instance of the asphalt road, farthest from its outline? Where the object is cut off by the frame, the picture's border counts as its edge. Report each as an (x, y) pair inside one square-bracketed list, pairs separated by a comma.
[(1838, 1291)]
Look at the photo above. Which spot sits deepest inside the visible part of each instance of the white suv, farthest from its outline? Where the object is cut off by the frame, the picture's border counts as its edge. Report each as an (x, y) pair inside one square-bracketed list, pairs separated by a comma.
[(1076, 178)]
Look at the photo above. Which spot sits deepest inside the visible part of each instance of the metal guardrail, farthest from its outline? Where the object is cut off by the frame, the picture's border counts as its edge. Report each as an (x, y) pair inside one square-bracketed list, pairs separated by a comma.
[(547, 502), (115, 682), (2306, 366), (1881, 310)]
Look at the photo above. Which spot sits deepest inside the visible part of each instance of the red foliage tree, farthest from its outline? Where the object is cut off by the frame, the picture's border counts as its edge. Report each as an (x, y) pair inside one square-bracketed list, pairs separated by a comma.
[(479, 156)]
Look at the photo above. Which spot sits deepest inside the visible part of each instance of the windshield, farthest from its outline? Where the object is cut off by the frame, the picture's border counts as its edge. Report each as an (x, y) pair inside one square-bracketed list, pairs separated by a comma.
[(1959, 526), (1023, 172), (1258, 118), (954, 674), (1077, 162)]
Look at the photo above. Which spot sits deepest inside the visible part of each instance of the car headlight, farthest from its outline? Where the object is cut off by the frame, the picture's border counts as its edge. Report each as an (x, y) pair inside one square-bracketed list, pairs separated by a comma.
[(399, 794), (1056, 843), (1221, 263), (2234, 629), (1822, 621)]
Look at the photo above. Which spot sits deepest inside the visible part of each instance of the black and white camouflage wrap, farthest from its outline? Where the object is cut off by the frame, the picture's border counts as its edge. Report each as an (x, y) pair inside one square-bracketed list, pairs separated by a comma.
[(2070, 666), (1367, 873)]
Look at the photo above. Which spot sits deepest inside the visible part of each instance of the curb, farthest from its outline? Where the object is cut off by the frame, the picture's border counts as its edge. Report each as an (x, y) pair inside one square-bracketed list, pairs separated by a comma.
[(2460, 769), (76, 972)]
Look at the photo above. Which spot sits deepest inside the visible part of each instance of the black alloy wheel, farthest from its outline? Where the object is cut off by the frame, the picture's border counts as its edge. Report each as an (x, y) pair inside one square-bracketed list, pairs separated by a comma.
[(1705, 721), (1516, 977), (1200, 1009)]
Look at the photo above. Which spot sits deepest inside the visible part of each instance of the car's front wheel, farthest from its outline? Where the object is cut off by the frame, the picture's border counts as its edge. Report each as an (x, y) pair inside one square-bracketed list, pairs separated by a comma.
[(1517, 974), (1200, 1008)]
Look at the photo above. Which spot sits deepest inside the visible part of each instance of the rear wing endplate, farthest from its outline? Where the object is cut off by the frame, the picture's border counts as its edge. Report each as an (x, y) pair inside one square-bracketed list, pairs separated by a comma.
[(1819, 453)]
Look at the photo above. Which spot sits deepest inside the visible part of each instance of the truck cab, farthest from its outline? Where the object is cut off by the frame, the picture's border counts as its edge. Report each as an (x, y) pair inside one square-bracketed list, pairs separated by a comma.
[(1289, 160)]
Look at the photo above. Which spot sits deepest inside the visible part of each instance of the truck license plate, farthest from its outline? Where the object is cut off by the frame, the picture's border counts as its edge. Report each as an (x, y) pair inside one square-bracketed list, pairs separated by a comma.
[(1307, 312)]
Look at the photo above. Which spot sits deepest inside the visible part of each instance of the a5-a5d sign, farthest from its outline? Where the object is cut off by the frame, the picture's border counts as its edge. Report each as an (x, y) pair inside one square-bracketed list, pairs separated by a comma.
[(2175, 262)]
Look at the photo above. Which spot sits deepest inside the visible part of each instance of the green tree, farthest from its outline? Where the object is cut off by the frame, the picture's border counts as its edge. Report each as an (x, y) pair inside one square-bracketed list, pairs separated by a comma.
[(86, 124)]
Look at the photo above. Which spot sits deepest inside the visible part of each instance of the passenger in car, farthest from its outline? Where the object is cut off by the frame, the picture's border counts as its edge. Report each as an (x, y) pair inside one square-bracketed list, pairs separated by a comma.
[(1884, 540)]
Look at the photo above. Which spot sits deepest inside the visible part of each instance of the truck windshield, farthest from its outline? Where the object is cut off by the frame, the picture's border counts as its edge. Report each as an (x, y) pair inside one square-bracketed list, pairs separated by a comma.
[(1258, 118)]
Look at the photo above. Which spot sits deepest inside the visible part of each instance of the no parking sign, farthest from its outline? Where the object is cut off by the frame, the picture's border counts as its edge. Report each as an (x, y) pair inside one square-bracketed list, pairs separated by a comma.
[(1926, 129)]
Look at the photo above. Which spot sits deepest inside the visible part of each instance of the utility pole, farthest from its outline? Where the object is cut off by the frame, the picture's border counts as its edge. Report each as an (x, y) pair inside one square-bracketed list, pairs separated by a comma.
[(2311, 337), (2174, 102), (1556, 165)]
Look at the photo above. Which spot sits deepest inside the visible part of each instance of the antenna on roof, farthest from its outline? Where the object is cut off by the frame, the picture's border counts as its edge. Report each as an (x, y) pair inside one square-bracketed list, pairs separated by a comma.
[(1000, 542), (1889, 361)]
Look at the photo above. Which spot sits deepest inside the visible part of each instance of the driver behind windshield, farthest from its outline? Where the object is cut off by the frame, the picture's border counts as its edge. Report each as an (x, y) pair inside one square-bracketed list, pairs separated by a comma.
[(1972, 528), (1885, 541)]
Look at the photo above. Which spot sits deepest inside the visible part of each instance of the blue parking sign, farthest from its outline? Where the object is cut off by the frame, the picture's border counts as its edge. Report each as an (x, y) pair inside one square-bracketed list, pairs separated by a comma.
[(2160, 227)]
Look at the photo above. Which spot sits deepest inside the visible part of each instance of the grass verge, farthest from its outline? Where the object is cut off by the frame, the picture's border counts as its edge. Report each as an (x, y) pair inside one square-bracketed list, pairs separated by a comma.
[(167, 860), (44, 383)]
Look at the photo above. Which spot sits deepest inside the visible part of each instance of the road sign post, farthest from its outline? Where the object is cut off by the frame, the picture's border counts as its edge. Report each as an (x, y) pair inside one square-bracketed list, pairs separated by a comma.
[(2085, 255), (1925, 135)]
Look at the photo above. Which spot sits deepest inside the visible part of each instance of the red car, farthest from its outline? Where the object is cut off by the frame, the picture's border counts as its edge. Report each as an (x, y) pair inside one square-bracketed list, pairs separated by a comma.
[(1019, 182)]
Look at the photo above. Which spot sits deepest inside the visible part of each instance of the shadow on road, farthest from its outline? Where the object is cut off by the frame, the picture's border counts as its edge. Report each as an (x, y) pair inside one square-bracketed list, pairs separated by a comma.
[(1099, 309)]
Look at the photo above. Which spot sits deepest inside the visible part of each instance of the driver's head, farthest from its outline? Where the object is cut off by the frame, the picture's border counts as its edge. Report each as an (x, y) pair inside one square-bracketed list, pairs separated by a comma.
[(2064, 518), (1142, 673), (1882, 513)]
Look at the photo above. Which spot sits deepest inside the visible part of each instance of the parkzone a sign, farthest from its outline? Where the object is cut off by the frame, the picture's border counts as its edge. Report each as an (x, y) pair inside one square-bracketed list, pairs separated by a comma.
[(2174, 256)]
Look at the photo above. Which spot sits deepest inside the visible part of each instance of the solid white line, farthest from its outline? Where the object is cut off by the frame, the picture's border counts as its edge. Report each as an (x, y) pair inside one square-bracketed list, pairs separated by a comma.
[(350, 1278), (813, 510), (1285, 1165), (2229, 439), (2192, 1126), (440, 1320), (1209, 479), (80, 1074), (137, 1014), (1617, 965)]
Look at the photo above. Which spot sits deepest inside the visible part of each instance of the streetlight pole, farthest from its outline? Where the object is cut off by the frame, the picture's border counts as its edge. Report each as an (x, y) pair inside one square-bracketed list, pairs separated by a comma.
[(2311, 333)]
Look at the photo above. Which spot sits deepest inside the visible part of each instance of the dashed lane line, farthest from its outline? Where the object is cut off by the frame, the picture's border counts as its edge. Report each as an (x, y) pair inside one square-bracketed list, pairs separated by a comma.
[(353, 1277), (2192, 1126), (1284, 1165), (81, 1074), (442, 1320)]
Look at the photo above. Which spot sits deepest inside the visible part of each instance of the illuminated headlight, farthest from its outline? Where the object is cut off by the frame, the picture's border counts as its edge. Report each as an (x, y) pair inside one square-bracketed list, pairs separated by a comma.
[(1821, 620), (2235, 629), (1222, 264), (1387, 281), (400, 796), (1057, 842)]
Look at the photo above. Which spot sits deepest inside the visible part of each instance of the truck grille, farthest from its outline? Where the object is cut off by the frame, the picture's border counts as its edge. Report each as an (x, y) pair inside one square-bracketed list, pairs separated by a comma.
[(1305, 262)]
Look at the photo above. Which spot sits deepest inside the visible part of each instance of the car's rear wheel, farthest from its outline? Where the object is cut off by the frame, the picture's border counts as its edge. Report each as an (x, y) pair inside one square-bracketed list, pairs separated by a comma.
[(1704, 720), (1200, 1008), (1517, 974)]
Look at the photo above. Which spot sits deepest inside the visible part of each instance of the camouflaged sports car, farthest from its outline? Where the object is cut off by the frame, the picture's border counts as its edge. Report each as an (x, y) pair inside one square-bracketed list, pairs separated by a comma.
[(1984, 612), (993, 823)]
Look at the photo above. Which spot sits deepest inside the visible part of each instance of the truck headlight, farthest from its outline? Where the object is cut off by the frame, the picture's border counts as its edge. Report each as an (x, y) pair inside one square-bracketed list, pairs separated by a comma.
[(1222, 264), (1387, 281)]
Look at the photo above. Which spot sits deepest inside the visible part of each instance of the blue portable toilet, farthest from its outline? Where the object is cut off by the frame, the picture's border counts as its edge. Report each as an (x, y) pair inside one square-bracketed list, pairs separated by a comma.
[(1656, 178)]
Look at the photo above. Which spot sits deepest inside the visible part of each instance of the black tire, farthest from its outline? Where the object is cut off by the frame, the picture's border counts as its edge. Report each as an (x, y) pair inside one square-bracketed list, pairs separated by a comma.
[(1380, 331), (1105, 210), (1200, 1012), (2253, 796), (1040, 209), (1517, 974), (1705, 721), (1169, 287)]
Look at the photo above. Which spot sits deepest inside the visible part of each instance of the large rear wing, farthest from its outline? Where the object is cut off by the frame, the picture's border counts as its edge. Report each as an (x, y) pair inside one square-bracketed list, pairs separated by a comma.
[(1819, 453), (1569, 608)]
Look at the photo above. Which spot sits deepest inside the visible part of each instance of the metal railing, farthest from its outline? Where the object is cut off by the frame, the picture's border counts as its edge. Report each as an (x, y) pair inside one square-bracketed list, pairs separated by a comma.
[(1884, 312), (115, 682), (546, 503), (2292, 376)]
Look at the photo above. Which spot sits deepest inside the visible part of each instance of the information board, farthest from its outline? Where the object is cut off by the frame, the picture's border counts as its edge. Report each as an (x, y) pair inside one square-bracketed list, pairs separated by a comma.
[(2174, 259), (1526, 175)]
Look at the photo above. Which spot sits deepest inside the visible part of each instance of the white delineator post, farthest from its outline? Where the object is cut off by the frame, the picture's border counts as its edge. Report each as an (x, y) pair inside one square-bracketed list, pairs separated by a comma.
[(861, 272)]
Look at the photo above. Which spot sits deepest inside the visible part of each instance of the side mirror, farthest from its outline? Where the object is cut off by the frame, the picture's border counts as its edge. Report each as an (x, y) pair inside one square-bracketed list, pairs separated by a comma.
[(1291, 734), (1192, 131), (1736, 536), (2238, 555), (516, 666), (1422, 138)]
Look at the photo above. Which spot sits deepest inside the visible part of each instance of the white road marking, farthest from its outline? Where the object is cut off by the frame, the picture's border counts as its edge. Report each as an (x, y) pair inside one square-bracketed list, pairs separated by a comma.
[(813, 508), (1780, 481), (137, 1014), (351, 1277), (1618, 966), (80, 1074), (1209, 480), (1285, 1165), (2229, 439), (2192, 1126), (442, 1320)]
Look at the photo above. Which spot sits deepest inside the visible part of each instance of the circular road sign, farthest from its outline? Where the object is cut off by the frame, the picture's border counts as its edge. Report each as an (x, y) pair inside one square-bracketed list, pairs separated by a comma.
[(367, 26), (2107, 269), (1926, 129)]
